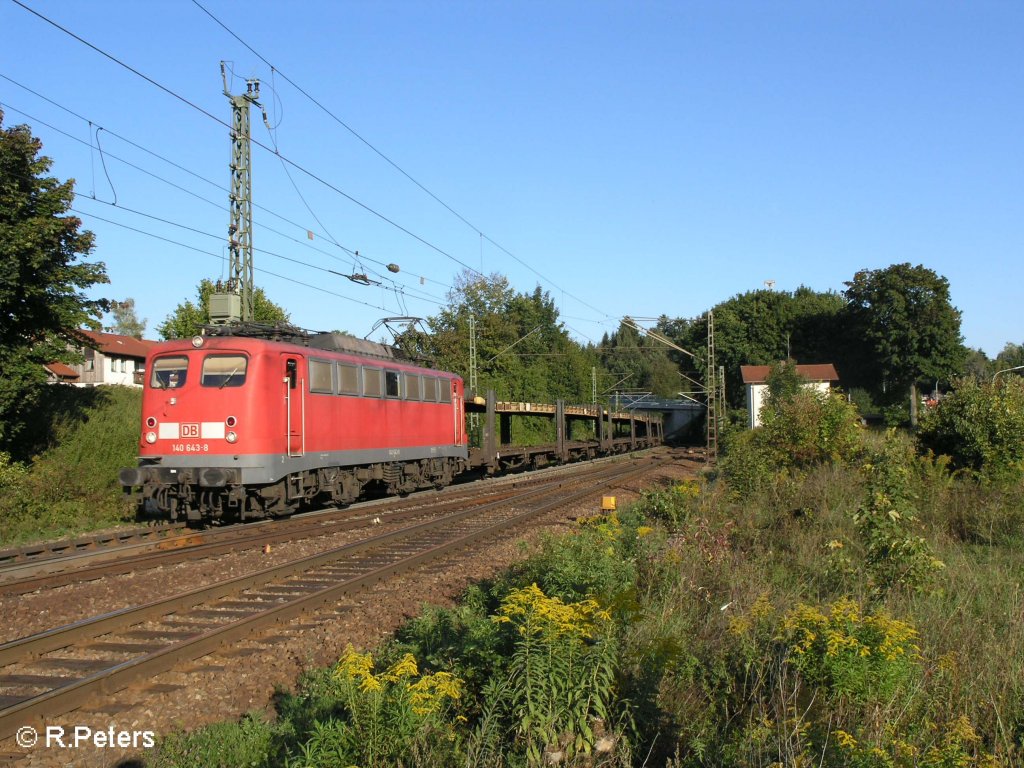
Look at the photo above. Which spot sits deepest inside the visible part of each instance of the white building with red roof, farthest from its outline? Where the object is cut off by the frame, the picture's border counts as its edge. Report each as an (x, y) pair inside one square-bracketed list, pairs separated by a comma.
[(59, 373), (819, 376), (112, 359)]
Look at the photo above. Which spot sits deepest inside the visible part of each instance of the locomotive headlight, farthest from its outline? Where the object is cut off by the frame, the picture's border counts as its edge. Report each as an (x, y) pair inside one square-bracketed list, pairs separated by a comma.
[(197, 341), (231, 437), (151, 437)]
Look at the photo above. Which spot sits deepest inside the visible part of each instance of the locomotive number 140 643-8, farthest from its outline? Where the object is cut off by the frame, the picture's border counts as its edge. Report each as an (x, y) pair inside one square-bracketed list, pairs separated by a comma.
[(190, 447)]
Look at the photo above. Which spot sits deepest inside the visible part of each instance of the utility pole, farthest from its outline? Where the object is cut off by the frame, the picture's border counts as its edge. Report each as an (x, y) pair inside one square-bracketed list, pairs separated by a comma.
[(237, 303)]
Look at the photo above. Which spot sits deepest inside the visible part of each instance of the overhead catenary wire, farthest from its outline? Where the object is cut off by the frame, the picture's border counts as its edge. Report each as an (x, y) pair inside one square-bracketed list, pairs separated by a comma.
[(225, 258), (292, 163), (628, 321), (220, 206), (393, 164), (400, 292), (421, 297), (258, 143), (161, 179), (190, 172)]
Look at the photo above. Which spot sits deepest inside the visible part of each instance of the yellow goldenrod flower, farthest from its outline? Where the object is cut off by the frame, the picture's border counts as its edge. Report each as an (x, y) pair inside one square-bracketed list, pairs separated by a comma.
[(846, 741), (404, 667)]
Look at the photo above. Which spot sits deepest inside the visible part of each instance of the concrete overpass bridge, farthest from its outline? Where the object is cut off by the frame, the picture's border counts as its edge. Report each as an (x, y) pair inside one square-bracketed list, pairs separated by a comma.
[(678, 416)]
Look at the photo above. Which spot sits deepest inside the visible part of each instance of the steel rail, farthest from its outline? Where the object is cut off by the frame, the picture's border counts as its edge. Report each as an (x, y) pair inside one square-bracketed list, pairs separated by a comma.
[(44, 551), (118, 676), (195, 545)]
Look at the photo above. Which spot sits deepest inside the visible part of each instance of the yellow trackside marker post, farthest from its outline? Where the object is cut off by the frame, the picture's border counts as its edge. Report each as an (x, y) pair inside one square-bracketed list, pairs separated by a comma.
[(607, 503)]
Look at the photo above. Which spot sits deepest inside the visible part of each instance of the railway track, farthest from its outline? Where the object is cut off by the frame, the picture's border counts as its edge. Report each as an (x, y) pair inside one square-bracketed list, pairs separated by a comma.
[(134, 555), (56, 671), (23, 557)]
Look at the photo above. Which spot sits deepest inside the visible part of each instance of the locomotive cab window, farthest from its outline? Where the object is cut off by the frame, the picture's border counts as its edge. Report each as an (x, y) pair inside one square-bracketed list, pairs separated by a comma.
[(169, 372), (391, 383), (320, 376), (223, 371), (444, 390)]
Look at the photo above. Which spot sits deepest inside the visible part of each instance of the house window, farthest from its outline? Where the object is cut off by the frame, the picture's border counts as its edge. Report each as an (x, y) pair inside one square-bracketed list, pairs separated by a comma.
[(113, 365)]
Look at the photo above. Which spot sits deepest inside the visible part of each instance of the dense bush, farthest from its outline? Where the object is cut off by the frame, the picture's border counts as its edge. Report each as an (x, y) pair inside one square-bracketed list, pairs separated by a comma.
[(895, 553), (810, 427), (524, 672), (799, 428), (72, 485), (980, 426), (804, 625)]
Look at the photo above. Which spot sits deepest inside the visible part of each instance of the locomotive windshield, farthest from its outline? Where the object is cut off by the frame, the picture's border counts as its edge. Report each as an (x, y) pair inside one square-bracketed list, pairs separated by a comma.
[(223, 371), (169, 372)]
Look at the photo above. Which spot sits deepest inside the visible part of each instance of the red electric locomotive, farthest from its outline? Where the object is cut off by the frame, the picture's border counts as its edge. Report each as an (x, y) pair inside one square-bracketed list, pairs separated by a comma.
[(237, 427)]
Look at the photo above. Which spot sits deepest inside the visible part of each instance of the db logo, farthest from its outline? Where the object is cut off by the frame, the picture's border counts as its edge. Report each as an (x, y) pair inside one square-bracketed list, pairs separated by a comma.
[(189, 430)]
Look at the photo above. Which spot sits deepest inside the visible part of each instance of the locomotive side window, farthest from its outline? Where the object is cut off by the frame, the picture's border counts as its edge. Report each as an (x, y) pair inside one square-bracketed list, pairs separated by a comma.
[(444, 390), (371, 382), (223, 371), (320, 376), (169, 372), (429, 389), (348, 379), (412, 386), (391, 383)]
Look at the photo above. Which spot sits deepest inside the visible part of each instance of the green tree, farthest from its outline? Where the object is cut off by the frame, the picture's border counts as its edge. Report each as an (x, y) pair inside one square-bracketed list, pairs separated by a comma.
[(980, 426), (977, 364), (761, 328), (783, 382), (644, 362), (523, 350), (1011, 356), (909, 329), (126, 322), (188, 318), (42, 276)]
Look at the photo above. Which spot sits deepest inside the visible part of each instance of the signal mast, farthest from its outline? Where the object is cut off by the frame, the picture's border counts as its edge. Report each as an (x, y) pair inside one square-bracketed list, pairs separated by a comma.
[(234, 302)]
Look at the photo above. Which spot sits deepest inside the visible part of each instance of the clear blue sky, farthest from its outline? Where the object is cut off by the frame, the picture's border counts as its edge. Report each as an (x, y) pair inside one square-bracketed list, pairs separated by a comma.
[(644, 158)]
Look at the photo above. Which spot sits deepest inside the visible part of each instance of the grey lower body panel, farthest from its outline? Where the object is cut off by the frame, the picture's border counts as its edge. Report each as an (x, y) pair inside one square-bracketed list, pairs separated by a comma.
[(218, 470)]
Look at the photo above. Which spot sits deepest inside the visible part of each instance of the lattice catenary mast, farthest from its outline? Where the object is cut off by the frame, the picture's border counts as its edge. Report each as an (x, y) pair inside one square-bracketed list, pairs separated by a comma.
[(237, 303), (712, 386)]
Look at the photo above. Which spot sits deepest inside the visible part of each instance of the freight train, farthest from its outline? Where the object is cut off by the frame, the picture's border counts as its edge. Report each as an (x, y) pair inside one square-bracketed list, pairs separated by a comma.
[(239, 426)]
